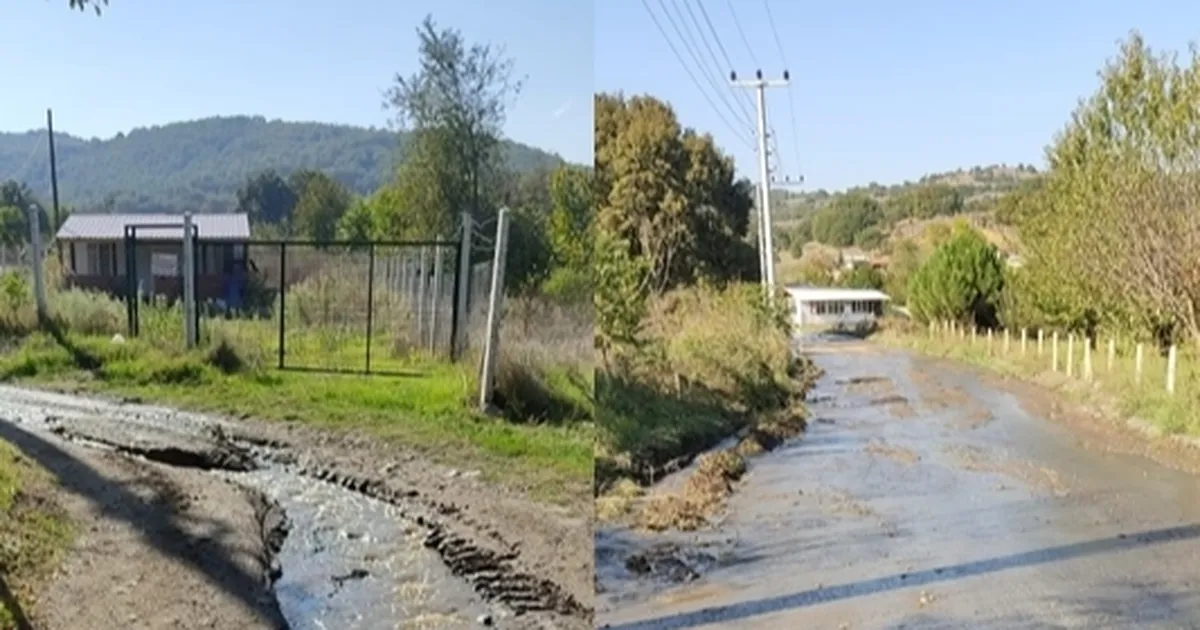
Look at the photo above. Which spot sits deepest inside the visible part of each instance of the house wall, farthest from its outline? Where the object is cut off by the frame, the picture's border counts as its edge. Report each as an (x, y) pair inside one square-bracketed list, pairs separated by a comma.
[(837, 313), (101, 265)]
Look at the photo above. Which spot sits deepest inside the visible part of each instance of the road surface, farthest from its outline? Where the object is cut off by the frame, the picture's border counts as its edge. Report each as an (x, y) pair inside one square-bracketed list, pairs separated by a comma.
[(925, 495)]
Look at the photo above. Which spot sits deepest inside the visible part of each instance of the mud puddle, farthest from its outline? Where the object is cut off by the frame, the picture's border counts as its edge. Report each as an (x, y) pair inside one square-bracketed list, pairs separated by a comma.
[(348, 552), (349, 561), (923, 519)]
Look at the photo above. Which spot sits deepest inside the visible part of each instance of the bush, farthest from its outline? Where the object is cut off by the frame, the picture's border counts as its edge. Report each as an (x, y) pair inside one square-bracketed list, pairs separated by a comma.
[(567, 284), (962, 281)]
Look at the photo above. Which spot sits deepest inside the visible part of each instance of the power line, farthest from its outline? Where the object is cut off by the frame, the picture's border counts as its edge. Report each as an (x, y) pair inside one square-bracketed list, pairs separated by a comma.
[(696, 57), (729, 67), (749, 48), (29, 158), (695, 81), (791, 97)]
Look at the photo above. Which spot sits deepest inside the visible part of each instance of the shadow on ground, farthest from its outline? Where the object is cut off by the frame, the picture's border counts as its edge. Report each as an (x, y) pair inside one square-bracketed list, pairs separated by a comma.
[(156, 523), (812, 597)]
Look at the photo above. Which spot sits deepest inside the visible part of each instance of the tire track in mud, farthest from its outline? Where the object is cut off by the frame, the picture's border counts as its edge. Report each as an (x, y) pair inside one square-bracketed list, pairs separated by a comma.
[(491, 567)]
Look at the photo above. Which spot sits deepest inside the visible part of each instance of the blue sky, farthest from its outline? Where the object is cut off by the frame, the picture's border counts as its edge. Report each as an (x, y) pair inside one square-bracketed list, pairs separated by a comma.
[(147, 62), (888, 90)]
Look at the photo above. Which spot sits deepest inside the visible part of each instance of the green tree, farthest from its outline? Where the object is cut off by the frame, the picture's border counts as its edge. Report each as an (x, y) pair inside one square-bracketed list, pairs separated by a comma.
[(462, 93), (904, 262), (843, 218), (321, 204), (1110, 238), (571, 217), (961, 281), (863, 276), (669, 194), (267, 198)]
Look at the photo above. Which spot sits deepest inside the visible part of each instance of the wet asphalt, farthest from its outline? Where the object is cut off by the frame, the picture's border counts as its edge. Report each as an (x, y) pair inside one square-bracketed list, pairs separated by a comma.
[(904, 507)]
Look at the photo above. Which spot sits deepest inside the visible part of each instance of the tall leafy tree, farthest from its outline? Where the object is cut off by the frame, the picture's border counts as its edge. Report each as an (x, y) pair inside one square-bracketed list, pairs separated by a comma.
[(461, 92), (668, 194), (321, 204), (267, 198)]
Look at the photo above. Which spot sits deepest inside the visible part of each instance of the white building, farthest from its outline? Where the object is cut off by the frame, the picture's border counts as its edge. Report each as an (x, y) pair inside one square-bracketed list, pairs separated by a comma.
[(829, 307)]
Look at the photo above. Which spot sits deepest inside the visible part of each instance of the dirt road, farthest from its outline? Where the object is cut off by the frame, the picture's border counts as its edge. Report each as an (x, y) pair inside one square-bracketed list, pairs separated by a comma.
[(925, 495), (188, 521)]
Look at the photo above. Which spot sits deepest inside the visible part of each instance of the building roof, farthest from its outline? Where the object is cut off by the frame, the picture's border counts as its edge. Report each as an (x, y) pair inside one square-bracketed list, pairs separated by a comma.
[(106, 227), (834, 294)]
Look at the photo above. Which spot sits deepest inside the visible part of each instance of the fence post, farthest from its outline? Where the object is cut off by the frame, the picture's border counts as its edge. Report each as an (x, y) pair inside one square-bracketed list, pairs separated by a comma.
[(370, 305), (1138, 360), (1087, 358), (989, 341), (282, 302), (189, 282), (1054, 353), (1070, 354), (1024, 340), (420, 290), (458, 333), (491, 347), (1112, 354), (974, 333), (1006, 341), (1041, 341), (435, 297), (39, 280), (1172, 359)]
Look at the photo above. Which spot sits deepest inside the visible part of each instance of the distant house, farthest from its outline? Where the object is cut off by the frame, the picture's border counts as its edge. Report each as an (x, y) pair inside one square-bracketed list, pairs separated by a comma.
[(94, 254), (828, 307)]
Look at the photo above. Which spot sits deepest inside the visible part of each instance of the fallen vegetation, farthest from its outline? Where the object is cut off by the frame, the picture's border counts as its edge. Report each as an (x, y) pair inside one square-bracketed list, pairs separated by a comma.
[(34, 532)]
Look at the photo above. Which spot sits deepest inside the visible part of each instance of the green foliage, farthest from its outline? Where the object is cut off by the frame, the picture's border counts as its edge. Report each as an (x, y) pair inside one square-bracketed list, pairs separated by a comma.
[(199, 165), (870, 238), (266, 197), (670, 194), (925, 201), (961, 281), (456, 102), (620, 293), (838, 223), (321, 202), (864, 276), (572, 213), (1110, 236), (905, 260)]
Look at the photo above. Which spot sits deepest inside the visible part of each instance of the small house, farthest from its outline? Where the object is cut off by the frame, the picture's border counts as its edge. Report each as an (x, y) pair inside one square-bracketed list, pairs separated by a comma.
[(831, 307), (94, 253)]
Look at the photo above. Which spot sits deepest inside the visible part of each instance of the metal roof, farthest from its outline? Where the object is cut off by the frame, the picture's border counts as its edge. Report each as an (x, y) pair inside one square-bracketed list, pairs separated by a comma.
[(105, 227), (835, 294)]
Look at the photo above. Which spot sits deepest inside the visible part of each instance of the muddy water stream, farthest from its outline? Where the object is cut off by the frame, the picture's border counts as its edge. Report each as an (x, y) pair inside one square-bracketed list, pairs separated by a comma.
[(347, 561), (922, 498)]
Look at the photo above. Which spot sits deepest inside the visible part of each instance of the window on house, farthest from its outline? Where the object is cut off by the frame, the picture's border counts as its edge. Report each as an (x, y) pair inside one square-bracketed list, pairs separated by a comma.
[(101, 259)]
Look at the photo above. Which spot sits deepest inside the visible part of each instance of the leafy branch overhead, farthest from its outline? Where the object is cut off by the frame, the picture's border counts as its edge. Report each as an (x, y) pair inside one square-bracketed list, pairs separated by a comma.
[(83, 5)]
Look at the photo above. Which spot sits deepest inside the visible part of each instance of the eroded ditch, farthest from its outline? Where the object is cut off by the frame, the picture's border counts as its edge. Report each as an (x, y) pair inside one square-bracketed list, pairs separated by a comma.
[(346, 550)]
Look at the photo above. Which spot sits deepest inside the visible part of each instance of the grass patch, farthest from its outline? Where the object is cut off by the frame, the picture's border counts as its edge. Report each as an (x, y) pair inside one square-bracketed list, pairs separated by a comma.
[(1114, 385), (35, 532), (544, 386)]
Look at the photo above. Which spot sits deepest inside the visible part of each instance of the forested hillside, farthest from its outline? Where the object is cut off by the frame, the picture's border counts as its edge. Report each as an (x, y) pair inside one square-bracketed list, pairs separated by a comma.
[(199, 165)]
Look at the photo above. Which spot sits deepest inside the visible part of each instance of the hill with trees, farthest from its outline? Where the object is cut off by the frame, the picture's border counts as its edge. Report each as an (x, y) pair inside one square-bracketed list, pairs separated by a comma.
[(199, 165)]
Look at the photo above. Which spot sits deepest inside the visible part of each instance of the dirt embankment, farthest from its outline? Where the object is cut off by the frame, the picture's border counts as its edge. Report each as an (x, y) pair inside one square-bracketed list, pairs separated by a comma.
[(157, 520)]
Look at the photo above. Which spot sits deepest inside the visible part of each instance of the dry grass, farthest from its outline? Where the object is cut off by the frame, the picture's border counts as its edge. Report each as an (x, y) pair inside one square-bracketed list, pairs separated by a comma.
[(712, 362), (1118, 384)]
